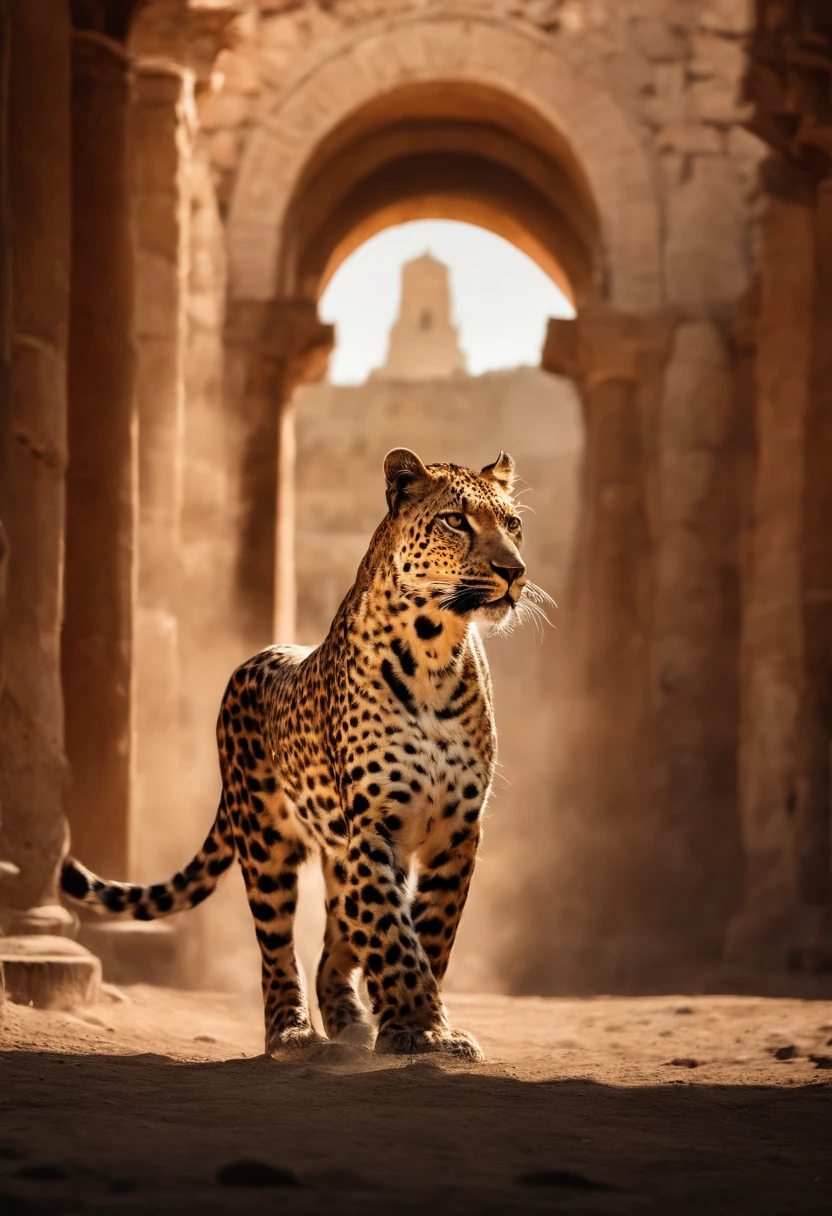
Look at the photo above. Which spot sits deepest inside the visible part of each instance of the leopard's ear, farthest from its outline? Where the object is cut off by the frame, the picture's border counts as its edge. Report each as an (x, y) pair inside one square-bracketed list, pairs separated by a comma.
[(502, 470), (404, 473)]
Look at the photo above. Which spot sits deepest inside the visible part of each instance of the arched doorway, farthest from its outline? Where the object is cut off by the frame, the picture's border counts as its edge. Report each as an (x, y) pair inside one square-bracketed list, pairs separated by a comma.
[(535, 119), (469, 119), (460, 118)]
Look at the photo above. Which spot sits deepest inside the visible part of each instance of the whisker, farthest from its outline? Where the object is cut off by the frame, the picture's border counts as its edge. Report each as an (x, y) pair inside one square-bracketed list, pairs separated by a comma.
[(538, 595)]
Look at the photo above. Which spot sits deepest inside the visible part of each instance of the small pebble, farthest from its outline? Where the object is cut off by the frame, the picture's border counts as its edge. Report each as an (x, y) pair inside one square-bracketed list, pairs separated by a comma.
[(785, 1053), (204, 1038), (254, 1173), (821, 1061), (684, 1009), (683, 1062)]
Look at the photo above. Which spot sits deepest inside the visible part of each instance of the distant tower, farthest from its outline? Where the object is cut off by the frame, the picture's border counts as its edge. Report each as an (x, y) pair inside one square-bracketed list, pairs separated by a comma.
[(423, 342)]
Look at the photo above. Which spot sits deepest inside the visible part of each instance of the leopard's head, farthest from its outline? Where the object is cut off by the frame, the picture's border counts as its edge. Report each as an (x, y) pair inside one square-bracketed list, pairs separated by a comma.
[(456, 535)]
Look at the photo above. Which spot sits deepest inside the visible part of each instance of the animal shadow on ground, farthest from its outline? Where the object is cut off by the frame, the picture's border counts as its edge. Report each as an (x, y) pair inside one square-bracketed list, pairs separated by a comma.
[(115, 1133)]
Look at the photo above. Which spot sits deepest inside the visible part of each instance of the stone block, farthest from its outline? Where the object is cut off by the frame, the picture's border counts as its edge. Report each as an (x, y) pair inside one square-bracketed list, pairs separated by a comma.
[(713, 56), (657, 41), (49, 972), (669, 101), (670, 82), (239, 69), (727, 16), (705, 248), (746, 152), (716, 100), (225, 149), (224, 109), (688, 138)]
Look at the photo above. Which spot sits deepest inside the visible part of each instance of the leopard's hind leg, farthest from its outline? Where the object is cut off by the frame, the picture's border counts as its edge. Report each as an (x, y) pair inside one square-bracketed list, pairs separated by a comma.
[(270, 854)]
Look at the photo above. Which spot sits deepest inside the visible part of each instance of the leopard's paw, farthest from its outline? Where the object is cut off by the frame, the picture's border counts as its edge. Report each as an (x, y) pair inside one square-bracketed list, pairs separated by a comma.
[(407, 1041), (296, 1043)]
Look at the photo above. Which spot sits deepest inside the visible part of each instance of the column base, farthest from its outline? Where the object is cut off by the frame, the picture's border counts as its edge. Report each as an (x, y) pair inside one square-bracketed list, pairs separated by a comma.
[(49, 972), (137, 952), (53, 920)]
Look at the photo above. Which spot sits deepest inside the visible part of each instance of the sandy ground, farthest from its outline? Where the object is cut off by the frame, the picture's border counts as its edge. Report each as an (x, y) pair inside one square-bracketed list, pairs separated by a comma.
[(666, 1104)]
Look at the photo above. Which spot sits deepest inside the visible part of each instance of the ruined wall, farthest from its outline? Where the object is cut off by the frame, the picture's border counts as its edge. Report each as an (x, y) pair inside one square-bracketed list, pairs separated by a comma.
[(671, 75), (674, 66), (704, 569)]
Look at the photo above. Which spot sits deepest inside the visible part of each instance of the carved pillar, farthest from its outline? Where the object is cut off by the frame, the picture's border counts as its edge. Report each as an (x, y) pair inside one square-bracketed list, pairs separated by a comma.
[(772, 635), (616, 361), (98, 626), (271, 349), (161, 130), (788, 913), (694, 641), (7, 868), (33, 455), (813, 810)]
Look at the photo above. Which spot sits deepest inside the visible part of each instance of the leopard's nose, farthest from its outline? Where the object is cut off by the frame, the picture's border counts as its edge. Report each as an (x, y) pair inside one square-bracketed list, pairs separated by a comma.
[(509, 573)]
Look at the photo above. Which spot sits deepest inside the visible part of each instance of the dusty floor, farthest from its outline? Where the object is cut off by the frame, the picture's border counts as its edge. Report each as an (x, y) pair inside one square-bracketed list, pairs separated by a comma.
[(604, 1105)]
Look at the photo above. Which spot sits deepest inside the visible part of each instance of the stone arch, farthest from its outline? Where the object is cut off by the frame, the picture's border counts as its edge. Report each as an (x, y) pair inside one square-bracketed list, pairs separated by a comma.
[(570, 116)]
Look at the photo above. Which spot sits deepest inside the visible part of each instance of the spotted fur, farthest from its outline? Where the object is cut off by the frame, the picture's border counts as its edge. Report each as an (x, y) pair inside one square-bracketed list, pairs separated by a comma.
[(375, 751)]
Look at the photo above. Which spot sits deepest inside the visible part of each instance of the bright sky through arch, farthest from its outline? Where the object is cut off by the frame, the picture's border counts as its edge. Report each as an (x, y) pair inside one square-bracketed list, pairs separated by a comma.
[(501, 298)]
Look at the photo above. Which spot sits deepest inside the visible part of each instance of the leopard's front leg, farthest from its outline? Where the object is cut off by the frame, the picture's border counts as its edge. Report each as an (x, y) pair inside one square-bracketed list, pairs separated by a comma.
[(343, 1015), (375, 913), (445, 868)]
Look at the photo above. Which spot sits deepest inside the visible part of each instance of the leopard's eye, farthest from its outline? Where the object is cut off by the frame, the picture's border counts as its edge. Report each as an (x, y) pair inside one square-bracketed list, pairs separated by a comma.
[(514, 524), (454, 520)]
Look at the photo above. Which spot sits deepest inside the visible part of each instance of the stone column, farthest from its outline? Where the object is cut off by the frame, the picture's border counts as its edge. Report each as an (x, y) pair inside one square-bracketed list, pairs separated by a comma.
[(40, 966), (616, 361), (813, 809), (161, 128), (7, 868), (33, 454), (694, 642), (97, 655), (771, 636), (271, 349)]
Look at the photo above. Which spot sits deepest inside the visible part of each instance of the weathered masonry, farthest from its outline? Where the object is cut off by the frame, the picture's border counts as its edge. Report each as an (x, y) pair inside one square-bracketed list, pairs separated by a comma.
[(179, 179)]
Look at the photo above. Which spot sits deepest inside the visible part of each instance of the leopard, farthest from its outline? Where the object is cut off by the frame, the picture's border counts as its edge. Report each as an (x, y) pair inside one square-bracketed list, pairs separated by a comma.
[(375, 751)]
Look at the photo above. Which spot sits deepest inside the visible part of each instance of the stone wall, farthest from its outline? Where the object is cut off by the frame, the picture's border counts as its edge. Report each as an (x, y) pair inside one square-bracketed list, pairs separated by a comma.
[(674, 67), (700, 594), (669, 562)]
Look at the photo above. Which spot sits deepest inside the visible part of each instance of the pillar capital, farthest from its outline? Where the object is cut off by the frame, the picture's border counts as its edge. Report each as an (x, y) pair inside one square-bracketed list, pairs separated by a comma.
[(602, 344), (186, 33), (285, 333)]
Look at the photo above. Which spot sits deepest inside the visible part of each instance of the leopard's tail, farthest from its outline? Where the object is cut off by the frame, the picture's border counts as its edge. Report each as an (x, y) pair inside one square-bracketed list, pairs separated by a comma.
[(185, 890)]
